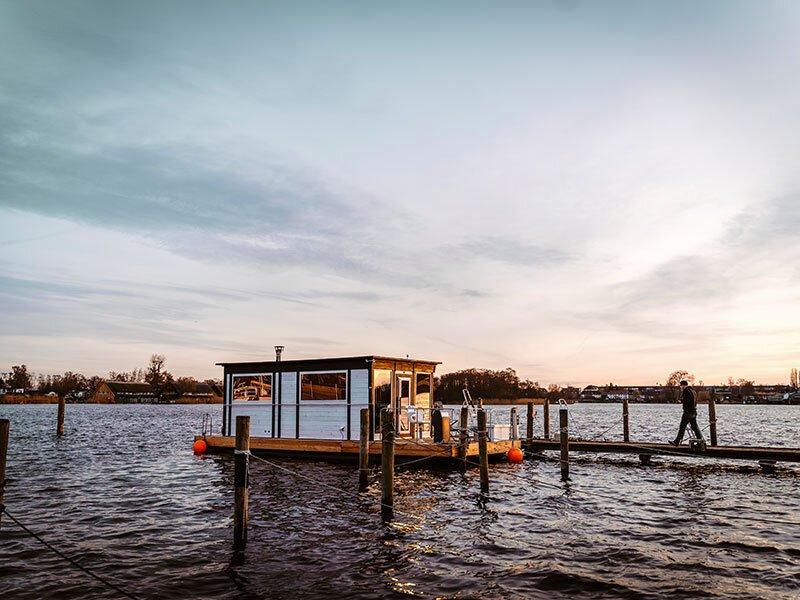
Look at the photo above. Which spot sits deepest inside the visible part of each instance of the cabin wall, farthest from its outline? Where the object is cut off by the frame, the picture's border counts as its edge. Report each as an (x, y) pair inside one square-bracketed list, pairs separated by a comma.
[(295, 417), (288, 408)]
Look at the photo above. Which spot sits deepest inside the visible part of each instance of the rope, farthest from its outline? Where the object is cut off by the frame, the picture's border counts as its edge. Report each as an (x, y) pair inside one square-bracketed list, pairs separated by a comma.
[(328, 485), (71, 561)]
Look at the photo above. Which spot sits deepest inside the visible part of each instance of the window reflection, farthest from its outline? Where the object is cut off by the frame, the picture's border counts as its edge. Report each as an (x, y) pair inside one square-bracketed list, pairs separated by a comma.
[(252, 388), (323, 386)]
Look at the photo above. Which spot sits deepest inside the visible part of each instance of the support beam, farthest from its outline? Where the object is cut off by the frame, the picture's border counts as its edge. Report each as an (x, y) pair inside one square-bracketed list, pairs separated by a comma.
[(241, 483), (62, 409), (712, 419), (529, 422), (546, 418), (363, 454), (626, 430), (387, 464), (563, 438), (483, 435), (5, 426)]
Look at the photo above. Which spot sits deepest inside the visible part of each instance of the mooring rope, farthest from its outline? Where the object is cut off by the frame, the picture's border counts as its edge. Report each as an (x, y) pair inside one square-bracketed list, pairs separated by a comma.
[(327, 485), (70, 560)]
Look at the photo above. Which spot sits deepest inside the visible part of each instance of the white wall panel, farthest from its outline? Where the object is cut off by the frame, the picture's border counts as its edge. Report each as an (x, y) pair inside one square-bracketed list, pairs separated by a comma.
[(289, 404), (359, 398)]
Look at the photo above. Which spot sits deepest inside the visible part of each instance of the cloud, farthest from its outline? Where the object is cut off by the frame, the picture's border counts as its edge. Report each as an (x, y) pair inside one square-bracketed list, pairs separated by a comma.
[(509, 251), (687, 296)]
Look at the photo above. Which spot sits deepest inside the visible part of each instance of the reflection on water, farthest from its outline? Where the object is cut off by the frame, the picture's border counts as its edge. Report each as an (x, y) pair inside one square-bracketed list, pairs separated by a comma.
[(123, 493)]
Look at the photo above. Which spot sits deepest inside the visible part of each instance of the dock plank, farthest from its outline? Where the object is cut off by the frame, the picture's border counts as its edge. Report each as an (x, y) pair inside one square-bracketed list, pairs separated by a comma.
[(735, 452)]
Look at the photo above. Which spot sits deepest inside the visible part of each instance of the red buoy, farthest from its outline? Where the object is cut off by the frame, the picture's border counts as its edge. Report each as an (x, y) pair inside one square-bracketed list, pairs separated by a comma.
[(515, 455), (200, 447)]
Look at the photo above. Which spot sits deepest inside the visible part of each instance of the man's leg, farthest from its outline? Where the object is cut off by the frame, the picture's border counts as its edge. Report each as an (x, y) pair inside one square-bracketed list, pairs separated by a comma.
[(693, 422), (682, 428)]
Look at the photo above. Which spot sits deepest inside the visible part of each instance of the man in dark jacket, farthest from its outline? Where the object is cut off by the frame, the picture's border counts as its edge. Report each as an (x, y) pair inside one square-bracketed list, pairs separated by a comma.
[(689, 399)]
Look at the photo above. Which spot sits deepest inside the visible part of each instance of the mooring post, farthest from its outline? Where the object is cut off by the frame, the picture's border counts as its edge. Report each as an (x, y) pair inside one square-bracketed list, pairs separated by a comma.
[(626, 430), (387, 463), (62, 408), (546, 418), (514, 424), (241, 482), (5, 425), (563, 436), (483, 450), (712, 419), (529, 423), (363, 452), (463, 436)]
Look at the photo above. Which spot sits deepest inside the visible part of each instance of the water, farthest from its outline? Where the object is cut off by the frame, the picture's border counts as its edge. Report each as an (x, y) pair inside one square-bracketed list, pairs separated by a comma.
[(123, 493)]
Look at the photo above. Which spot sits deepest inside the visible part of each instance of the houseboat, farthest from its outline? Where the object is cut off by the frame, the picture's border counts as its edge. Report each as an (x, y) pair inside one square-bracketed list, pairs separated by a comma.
[(314, 406)]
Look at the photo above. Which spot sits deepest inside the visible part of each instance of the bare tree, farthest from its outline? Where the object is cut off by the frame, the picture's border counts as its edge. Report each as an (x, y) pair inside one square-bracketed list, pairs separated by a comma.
[(157, 376), (677, 376), (793, 379)]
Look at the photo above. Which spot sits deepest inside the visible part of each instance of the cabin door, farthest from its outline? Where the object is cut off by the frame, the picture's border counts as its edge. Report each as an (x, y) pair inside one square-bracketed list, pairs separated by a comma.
[(403, 402)]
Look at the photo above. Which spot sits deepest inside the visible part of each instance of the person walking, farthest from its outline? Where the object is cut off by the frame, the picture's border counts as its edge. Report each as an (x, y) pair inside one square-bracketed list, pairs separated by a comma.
[(689, 400)]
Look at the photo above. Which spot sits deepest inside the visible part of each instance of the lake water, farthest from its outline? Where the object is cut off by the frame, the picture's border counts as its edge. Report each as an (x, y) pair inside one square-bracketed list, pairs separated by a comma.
[(123, 494)]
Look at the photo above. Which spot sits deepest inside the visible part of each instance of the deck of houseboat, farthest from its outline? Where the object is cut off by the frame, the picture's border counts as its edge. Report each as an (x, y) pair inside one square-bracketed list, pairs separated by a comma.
[(405, 448)]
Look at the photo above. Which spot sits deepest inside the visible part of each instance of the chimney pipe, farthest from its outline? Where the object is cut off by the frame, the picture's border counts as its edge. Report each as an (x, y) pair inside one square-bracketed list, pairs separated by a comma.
[(278, 351)]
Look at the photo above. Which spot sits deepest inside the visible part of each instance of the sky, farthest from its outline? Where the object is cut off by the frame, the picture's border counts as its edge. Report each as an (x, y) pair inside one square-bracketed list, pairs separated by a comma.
[(585, 192)]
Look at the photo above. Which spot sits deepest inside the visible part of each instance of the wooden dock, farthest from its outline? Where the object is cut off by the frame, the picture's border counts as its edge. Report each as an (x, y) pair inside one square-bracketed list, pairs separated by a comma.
[(349, 449), (759, 453)]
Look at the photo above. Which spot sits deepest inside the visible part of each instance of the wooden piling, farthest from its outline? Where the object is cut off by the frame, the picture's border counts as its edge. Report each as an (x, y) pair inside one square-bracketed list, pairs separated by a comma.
[(62, 408), (387, 463), (483, 450), (241, 482), (712, 419), (514, 424), (463, 436), (563, 437), (546, 418), (626, 430), (529, 422), (363, 451), (5, 425)]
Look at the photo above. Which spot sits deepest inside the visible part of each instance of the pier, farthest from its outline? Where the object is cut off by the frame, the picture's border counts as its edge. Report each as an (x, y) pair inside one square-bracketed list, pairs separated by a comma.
[(759, 453)]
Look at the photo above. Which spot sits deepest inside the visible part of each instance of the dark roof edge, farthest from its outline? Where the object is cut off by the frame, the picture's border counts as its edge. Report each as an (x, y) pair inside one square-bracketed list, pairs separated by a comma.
[(328, 359)]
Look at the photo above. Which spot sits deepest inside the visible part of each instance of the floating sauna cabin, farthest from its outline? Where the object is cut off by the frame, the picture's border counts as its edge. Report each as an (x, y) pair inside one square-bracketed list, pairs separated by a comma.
[(322, 398)]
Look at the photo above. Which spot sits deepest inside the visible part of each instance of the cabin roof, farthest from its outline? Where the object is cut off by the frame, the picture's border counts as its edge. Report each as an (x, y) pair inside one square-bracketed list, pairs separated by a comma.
[(128, 387), (305, 362)]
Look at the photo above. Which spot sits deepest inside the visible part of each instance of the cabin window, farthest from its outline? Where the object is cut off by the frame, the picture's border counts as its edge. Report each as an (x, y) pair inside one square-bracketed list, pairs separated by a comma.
[(252, 388), (382, 382), (423, 391), (323, 386)]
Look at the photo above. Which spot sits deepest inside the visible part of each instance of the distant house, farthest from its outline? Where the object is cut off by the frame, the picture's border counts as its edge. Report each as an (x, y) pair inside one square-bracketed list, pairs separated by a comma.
[(194, 393), (123, 392), (590, 392)]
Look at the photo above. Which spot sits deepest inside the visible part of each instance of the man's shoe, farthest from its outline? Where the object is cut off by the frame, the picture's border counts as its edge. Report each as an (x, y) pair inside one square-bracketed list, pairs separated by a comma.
[(673, 443)]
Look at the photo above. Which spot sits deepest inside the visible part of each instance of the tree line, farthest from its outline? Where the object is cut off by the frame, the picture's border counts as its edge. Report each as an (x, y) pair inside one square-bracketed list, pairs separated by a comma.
[(155, 373), (496, 385)]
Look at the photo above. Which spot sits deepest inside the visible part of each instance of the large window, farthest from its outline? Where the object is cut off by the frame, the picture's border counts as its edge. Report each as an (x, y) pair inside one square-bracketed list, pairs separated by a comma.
[(252, 388), (323, 386)]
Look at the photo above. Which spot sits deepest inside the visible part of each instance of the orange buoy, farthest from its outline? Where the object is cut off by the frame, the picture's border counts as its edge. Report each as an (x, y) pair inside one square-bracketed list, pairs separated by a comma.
[(200, 447), (515, 455)]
